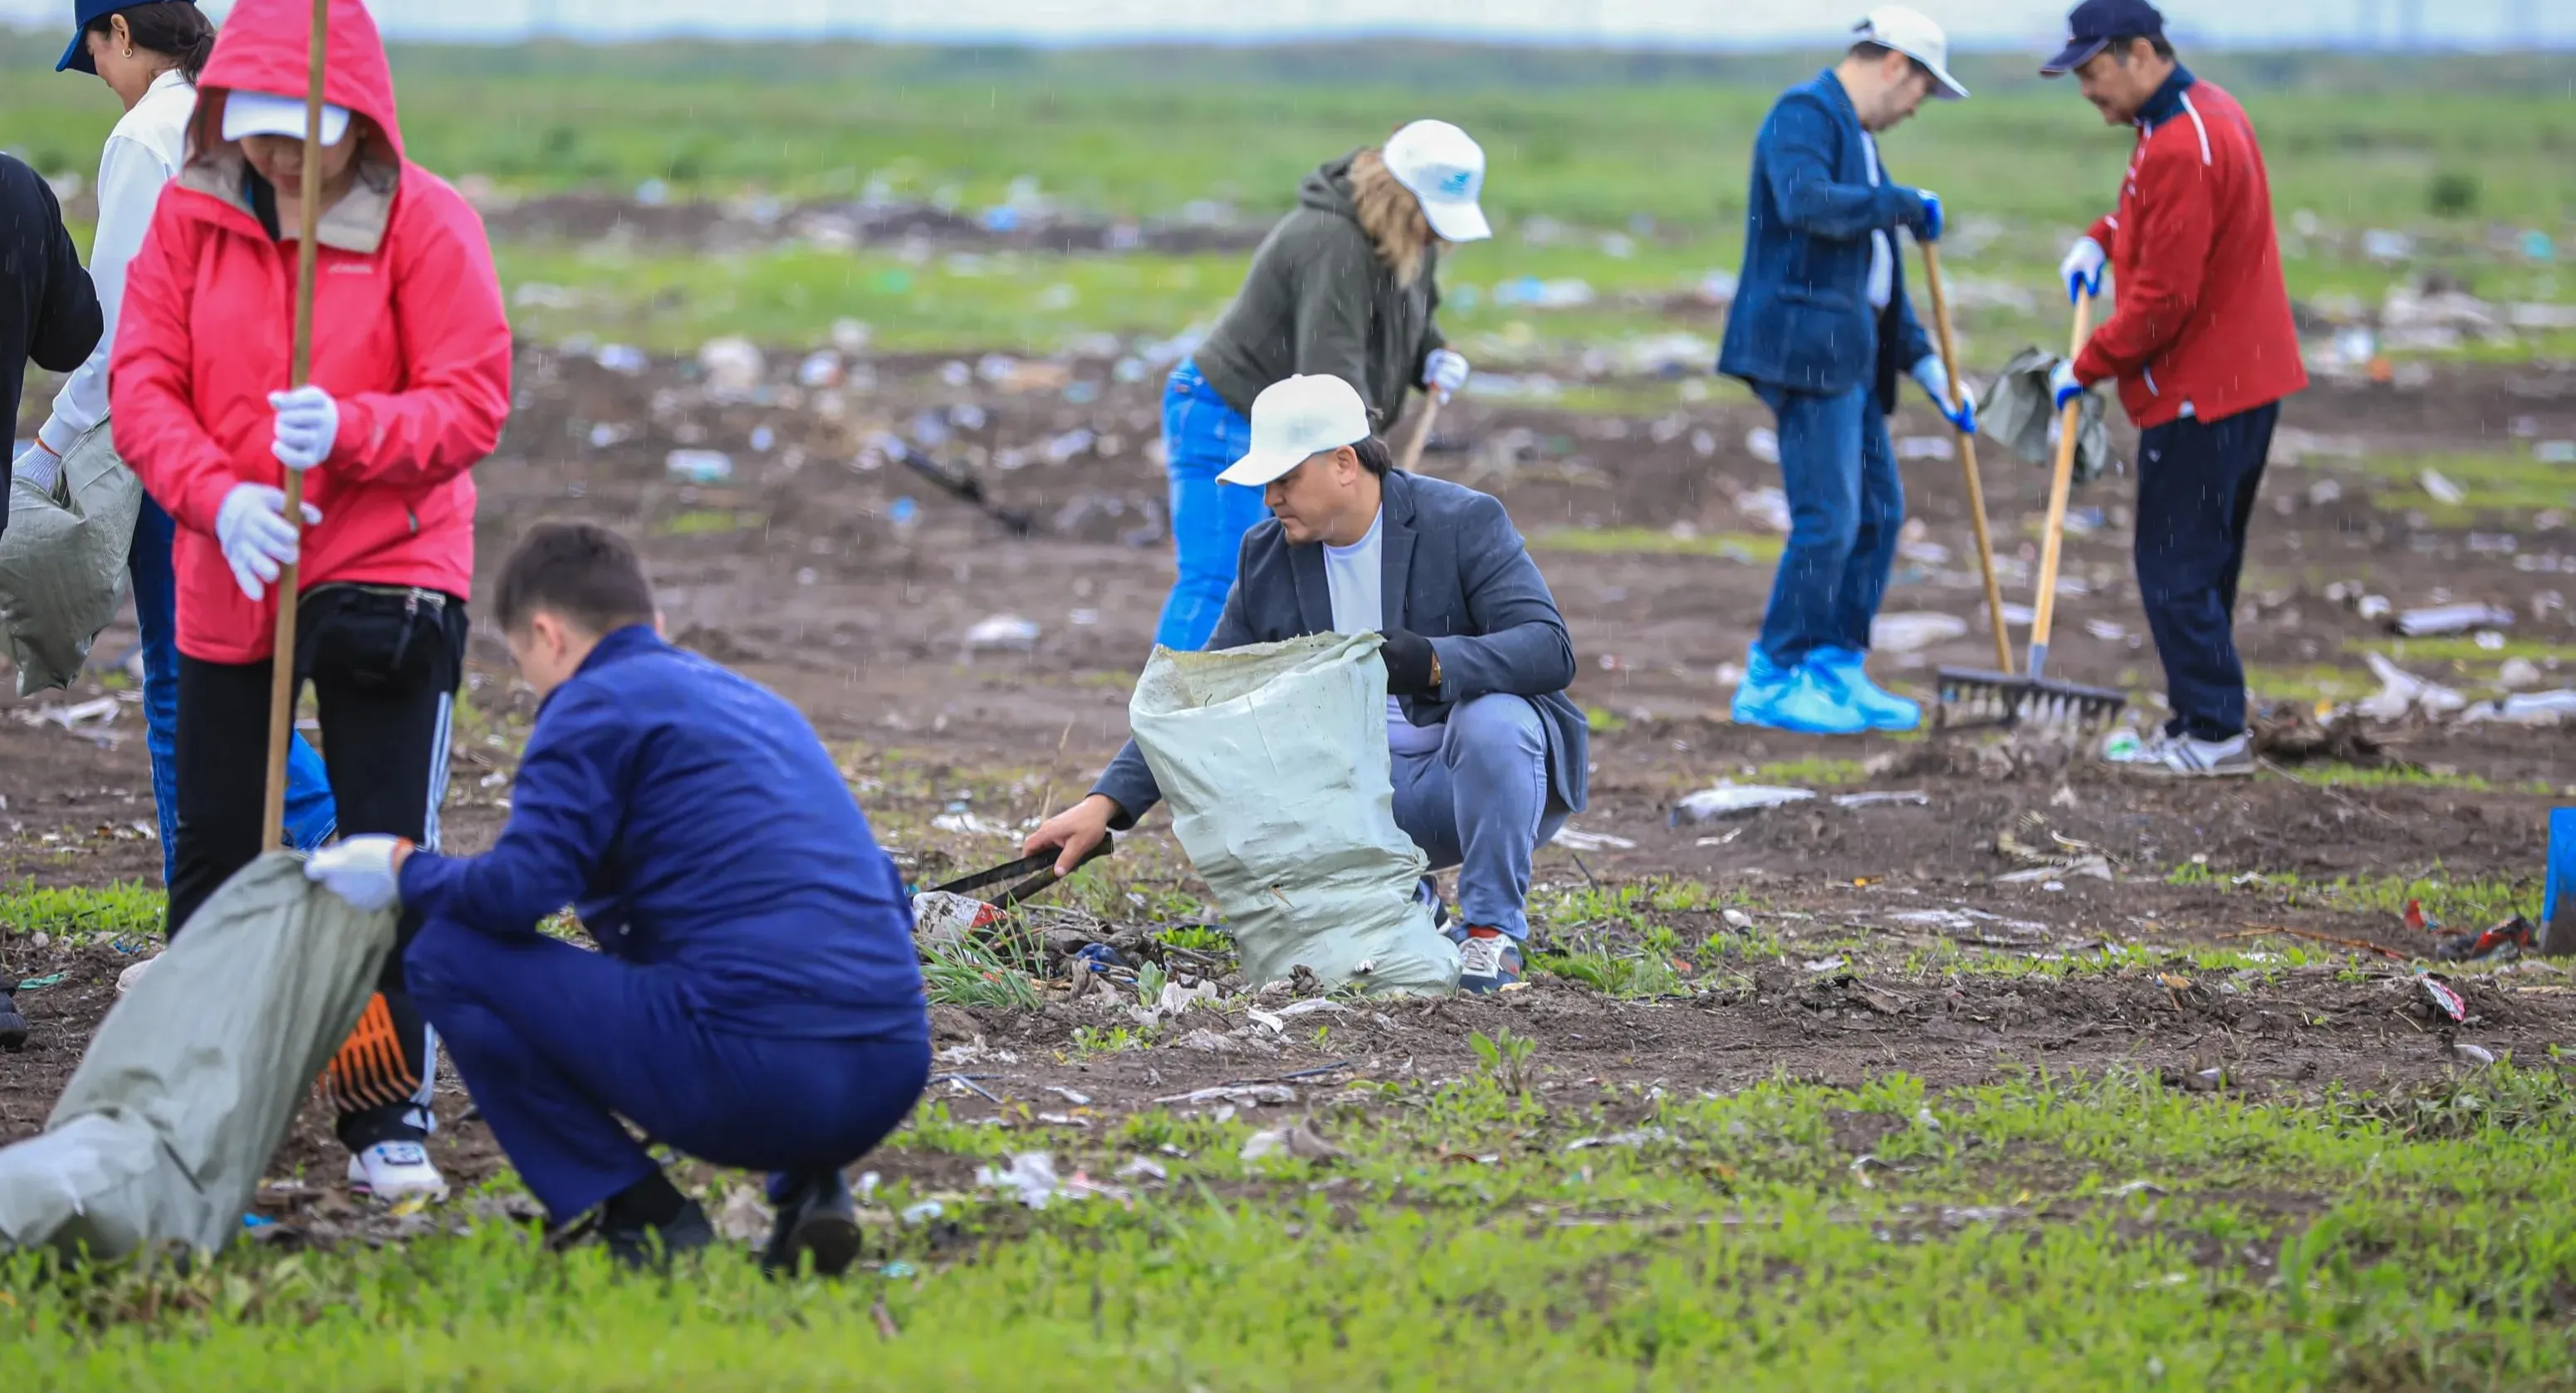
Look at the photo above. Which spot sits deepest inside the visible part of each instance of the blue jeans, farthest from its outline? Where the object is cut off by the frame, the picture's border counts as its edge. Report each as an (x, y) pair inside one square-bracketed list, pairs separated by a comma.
[(310, 817), (1846, 505), (1480, 802), (2197, 481), (1202, 437), (557, 1043)]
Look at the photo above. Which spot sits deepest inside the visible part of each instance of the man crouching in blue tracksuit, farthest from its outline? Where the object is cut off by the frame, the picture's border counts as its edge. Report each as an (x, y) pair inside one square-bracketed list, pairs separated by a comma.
[(756, 1001)]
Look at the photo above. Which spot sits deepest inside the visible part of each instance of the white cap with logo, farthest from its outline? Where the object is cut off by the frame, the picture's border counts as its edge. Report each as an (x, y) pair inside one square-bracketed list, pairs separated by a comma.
[(1912, 33), (1295, 419), (1445, 169), (265, 113)]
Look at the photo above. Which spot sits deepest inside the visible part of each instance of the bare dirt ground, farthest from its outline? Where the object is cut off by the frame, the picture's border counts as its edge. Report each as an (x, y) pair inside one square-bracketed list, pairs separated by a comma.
[(828, 569)]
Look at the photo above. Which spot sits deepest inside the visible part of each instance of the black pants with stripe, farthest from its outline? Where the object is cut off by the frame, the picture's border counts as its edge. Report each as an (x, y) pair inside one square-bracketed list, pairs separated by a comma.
[(385, 664)]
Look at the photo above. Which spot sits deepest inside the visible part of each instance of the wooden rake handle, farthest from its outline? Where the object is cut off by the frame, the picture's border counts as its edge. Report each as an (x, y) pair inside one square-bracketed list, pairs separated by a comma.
[(282, 684), (1968, 457), (1411, 461), (2053, 542)]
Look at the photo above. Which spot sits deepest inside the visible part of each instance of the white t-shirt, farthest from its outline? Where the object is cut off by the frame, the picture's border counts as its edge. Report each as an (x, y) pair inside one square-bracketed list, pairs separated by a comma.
[(1882, 251), (1356, 576)]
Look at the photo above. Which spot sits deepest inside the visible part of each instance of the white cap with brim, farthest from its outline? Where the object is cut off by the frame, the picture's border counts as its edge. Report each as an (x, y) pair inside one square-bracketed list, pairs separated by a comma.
[(1445, 169), (1294, 420), (1912, 33), (266, 113)]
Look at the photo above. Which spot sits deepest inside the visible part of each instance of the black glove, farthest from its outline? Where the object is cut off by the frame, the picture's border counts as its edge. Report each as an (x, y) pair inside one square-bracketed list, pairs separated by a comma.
[(1410, 664)]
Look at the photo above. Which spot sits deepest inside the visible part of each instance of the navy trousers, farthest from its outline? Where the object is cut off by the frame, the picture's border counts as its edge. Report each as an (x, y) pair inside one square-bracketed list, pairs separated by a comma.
[(557, 1044), (1846, 506), (2196, 486)]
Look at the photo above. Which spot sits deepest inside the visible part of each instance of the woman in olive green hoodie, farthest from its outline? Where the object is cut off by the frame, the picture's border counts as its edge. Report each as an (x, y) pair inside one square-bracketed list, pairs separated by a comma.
[(1347, 284)]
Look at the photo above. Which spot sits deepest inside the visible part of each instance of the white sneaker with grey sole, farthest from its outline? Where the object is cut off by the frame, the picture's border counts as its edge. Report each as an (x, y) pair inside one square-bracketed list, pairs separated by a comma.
[(2188, 757), (393, 1171)]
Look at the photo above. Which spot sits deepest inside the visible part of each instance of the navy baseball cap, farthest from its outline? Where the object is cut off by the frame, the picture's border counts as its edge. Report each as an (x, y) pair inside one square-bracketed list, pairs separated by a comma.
[(84, 12), (2095, 23)]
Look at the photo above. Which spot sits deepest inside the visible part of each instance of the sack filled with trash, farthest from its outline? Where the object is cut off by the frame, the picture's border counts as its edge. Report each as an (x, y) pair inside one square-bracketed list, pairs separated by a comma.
[(193, 1079), (62, 561), (1274, 760), (2019, 413)]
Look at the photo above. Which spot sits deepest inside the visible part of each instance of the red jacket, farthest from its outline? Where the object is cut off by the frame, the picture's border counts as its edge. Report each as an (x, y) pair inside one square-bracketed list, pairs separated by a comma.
[(408, 330), (2203, 315)]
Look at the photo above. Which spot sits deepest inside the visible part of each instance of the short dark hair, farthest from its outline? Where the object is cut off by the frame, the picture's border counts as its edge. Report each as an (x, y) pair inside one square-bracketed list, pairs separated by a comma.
[(579, 571), (1870, 51), (1375, 457), (2121, 44), (172, 28)]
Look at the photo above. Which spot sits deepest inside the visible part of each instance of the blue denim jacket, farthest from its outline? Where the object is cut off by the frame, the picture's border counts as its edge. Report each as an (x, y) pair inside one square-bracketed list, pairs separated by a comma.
[(1802, 318)]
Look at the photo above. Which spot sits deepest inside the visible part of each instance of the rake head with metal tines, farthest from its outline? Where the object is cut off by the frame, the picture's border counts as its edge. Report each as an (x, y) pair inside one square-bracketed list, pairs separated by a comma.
[(1972, 699)]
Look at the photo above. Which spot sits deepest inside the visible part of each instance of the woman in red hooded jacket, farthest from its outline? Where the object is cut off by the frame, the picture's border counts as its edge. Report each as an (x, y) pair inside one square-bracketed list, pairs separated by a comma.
[(410, 388)]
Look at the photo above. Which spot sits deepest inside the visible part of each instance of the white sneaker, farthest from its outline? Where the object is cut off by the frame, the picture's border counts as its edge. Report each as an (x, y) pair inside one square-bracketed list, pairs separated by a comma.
[(2189, 757), (393, 1171)]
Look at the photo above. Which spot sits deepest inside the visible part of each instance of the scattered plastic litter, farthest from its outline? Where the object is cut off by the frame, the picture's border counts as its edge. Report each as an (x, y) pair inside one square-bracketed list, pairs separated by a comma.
[(1935, 447), (2434, 620), (972, 824), (39, 983), (1532, 293), (1097, 958), (944, 918), (923, 1212), (2381, 244), (2440, 489), (698, 466), (1249, 1095), (1913, 630), (1003, 631), (2401, 692), (1879, 799), (733, 366), (1301, 1141), (1573, 840), (2515, 674), (2444, 1001), (2467, 1053), (2527, 709), (1732, 799), (1639, 1137), (2554, 451), (625, 360), (820, 368), (1032, 1180), (2508, 939), (1765, 507), (1764, 444)]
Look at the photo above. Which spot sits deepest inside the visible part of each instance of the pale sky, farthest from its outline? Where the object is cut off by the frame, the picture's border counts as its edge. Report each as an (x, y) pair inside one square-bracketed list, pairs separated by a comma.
[(1980, 23)]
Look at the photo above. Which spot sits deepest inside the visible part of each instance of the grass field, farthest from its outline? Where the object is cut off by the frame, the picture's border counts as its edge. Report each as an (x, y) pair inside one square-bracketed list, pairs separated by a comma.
[(2054, 1233)]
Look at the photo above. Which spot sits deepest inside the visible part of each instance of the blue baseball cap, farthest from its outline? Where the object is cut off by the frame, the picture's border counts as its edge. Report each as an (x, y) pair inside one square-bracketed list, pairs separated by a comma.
[(85, 13), (2095, 23)]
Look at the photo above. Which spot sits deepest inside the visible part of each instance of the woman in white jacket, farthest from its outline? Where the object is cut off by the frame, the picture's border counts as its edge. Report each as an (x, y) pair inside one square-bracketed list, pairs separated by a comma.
[(149, 54)]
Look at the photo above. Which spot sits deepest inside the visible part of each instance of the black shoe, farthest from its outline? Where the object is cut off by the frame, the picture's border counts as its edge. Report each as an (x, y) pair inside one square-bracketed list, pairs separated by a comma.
[(818, 1219), (13, 1027), (651, 1247)]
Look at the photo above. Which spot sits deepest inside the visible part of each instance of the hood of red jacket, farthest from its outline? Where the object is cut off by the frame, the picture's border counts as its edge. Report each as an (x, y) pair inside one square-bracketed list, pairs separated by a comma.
[(263, 47)]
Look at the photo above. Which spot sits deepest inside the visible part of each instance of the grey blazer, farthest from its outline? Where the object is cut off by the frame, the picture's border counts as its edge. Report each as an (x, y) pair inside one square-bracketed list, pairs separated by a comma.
[(1457, 573)]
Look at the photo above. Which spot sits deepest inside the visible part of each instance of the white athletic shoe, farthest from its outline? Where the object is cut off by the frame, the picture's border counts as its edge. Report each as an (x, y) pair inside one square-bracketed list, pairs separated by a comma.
[(393, 1171), (2188, 757)]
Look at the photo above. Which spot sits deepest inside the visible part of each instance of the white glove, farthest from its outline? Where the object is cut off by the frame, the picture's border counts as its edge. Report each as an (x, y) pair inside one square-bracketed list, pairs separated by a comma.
[(39, 466), (251, 527), (308, 425), (2082, 269), (359, 870), (1935, 381), (1444, 372), (2062, 386)]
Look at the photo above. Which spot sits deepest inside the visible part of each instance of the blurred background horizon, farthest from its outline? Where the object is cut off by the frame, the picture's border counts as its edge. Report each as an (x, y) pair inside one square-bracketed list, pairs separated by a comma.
[(1985, 25)]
